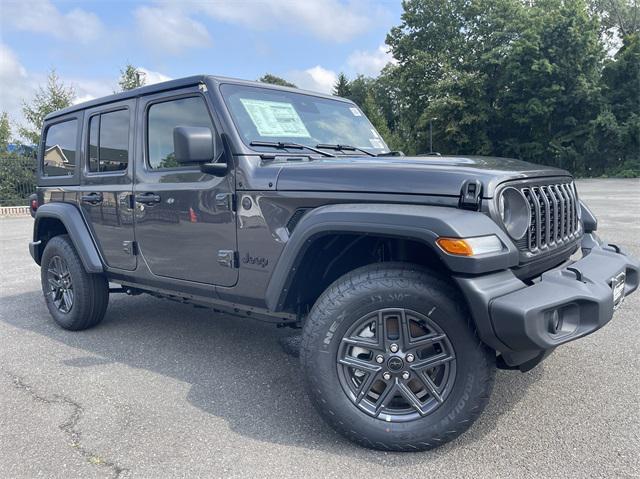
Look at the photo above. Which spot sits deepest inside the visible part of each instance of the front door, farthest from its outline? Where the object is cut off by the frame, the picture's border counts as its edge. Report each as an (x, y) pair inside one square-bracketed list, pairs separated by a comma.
[(184, 218), (107, 181)]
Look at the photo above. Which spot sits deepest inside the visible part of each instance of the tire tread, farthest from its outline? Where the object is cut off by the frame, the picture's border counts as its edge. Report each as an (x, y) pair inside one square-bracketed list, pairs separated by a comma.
[(361, 280)]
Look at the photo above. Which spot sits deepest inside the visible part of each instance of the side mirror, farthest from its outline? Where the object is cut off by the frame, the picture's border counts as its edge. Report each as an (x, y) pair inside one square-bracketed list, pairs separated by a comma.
[(194, 144)]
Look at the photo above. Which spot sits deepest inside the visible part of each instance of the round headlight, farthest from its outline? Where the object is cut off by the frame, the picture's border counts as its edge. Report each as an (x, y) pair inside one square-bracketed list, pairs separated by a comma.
[(515, 212)]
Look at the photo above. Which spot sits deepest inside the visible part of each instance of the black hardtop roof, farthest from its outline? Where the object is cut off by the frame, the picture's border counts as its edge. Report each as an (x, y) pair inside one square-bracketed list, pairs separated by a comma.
[(174, 84)]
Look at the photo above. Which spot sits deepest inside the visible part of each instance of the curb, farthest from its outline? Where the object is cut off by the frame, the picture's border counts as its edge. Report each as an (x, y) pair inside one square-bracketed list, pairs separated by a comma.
[(14, 211)]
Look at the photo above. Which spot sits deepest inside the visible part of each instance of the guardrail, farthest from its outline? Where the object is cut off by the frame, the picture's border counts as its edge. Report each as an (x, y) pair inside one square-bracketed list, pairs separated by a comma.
[(14, 211)]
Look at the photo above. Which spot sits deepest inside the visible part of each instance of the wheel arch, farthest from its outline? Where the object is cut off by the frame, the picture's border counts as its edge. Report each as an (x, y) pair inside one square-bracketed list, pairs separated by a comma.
[(334, 233), (54, 219)]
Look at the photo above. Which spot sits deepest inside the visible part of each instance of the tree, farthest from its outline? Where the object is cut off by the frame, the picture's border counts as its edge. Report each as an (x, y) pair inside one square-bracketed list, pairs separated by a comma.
[(131, 77), (5, 132), (448, 54), (372, 110), (504, 77), (549, 85), (621, 16), (54, 96), (275, 80), (614, 139), (341, 87)]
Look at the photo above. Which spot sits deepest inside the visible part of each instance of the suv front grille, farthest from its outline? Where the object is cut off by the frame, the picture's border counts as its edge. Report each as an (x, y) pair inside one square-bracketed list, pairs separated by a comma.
[(554, 218)]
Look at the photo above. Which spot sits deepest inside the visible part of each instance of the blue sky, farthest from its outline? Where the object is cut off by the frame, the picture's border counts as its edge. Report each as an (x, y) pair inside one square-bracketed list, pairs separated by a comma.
[(305, 41)]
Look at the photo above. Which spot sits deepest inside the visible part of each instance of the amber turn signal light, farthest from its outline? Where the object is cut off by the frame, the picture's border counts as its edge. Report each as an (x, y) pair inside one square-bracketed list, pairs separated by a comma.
[(455, 246), (478, 245)]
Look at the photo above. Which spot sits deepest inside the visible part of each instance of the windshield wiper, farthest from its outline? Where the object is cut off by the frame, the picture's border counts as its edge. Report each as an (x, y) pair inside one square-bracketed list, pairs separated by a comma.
[(284, 145), (345, 148)]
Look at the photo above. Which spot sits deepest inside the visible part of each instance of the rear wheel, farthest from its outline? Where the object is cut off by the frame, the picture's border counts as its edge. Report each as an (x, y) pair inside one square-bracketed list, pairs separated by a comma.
[(391, 359), (76, 299)]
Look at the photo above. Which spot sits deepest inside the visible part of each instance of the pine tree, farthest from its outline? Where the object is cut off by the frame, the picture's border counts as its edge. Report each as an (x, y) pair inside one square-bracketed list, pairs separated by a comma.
[(54, 96), (341, 87), (130, 78)]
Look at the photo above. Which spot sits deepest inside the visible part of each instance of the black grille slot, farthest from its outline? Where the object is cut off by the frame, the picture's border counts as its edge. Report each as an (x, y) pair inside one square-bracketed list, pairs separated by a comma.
[(554, 217)]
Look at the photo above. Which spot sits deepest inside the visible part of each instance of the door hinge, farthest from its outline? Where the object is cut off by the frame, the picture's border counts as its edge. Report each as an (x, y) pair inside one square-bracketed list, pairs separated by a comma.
[(470, 195), (226, 201), (130, 247), (228, 258)]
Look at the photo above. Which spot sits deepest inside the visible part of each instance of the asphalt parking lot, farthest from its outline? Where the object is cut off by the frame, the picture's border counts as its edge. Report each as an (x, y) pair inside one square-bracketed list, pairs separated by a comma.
[(161, 389)]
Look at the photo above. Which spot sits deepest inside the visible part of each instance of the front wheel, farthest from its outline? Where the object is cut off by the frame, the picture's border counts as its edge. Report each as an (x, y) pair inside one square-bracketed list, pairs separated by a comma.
[(391, 359)]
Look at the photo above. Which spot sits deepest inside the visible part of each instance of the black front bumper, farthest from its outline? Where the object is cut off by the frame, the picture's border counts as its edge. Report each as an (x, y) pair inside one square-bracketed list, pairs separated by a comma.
[(524, 322)]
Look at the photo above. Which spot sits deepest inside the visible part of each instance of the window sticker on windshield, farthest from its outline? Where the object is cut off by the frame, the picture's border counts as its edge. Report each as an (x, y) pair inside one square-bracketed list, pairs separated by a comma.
[(355, 111), (274, 118), (376, 143)]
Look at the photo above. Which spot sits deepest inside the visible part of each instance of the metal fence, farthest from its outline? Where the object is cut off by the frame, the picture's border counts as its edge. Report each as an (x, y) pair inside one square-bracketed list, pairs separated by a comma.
[(17, 180)]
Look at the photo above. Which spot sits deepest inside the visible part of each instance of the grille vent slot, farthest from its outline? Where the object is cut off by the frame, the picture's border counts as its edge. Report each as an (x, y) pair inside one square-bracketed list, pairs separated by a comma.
[(554, 217)]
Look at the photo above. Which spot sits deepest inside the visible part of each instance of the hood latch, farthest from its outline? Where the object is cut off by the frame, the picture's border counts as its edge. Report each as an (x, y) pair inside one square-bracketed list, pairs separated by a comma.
[(470, 195)]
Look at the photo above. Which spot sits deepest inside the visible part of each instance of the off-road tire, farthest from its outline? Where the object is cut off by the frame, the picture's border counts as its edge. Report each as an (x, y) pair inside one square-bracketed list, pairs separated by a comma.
[(395, 285), (90, 291)]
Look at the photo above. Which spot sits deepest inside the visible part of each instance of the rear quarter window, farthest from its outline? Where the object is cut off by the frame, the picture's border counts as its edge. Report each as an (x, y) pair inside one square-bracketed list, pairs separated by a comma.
[(60, 149), (109, 141)]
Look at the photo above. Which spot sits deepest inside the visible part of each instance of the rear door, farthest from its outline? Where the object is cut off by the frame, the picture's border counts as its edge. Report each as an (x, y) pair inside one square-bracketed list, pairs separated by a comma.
[(107, 180), (184, 218)]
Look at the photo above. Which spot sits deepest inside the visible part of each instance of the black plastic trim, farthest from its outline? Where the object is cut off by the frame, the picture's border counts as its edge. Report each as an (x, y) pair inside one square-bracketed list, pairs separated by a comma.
[(77, 229), (417, 222), (511, 316), (589, 220)]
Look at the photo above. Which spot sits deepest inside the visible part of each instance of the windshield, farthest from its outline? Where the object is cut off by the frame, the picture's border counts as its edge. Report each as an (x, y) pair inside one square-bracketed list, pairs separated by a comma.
[(266, 115)]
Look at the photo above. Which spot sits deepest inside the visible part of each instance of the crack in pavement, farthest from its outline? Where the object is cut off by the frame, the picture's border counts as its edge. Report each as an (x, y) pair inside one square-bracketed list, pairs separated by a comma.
[(70, 426)]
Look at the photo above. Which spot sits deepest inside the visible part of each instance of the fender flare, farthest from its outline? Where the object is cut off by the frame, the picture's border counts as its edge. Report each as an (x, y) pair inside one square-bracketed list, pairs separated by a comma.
[(77, 229), (422, 223)]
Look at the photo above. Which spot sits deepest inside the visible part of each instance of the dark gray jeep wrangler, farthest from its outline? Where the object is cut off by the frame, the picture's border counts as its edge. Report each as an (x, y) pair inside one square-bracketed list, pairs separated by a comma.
[(412, 277)]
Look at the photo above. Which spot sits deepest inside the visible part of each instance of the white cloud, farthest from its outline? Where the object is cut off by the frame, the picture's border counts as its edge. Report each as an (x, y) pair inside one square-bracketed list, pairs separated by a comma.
[(15, 85), (90, 89), (151, 77), (370, 63), (315, 79), (41, 16), (331, 20), (170, 30)]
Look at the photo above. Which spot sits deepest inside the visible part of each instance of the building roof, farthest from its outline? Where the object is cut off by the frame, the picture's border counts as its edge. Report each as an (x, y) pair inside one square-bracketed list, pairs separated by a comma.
[(171, 85)]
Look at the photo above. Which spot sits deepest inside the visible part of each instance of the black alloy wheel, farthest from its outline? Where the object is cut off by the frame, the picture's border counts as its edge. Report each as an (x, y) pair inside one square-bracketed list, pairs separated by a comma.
[(396, 364), (60, 284)]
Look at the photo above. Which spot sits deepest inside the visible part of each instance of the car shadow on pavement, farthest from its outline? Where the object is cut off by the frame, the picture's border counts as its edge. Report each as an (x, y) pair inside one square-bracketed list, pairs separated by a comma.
[(236, 369)]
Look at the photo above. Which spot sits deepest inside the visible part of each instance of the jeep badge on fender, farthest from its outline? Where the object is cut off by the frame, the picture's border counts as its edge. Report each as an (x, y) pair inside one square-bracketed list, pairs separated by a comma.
[(412, 278)]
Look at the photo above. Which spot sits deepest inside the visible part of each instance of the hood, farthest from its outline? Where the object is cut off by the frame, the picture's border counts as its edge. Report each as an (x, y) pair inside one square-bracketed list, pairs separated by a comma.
[(432, 175)]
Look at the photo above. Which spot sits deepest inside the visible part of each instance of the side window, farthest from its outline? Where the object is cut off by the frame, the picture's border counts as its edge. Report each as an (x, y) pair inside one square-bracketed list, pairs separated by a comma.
[(109, 141), (163, 118), (60, 144)]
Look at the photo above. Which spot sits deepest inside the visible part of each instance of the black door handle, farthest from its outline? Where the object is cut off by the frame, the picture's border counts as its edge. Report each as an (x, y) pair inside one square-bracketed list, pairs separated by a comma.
[(148, 198), (93, 198)]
